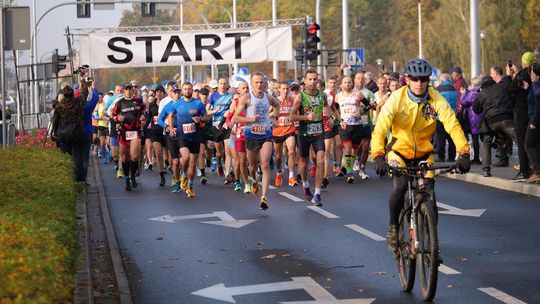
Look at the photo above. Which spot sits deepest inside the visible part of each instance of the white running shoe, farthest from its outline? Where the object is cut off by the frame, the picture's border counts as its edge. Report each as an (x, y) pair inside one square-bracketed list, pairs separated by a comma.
[(356, 165), (363, 174)]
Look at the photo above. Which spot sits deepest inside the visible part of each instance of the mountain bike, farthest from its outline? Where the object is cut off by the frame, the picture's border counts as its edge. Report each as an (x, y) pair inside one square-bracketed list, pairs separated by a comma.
[(418, 245)]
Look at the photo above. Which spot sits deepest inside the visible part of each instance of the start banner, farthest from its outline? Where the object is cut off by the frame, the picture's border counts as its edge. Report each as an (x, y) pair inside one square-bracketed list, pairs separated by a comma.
[(121, 50)]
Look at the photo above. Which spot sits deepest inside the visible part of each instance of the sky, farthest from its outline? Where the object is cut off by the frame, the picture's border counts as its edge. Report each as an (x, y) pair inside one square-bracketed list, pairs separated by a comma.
[(51, 29)]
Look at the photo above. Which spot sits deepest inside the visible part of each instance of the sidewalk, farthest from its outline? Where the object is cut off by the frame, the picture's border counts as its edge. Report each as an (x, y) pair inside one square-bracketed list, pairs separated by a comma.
[(500, 179)]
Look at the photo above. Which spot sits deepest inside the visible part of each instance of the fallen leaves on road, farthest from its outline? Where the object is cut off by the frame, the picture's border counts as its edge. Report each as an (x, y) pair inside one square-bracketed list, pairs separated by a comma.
[(462, 259), (380, 273), (167, 265), (450, 286), (286, 255), (160, 236), (270, 256)]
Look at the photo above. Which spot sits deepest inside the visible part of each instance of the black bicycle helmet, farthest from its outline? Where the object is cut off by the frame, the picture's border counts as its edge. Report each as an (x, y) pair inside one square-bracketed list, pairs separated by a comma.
[(418, 67)]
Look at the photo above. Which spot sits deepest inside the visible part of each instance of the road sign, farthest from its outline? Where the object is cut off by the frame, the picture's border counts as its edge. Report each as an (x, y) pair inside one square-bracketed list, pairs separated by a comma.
[(226, 219), (355, 58), (434, 75), (320, 294)]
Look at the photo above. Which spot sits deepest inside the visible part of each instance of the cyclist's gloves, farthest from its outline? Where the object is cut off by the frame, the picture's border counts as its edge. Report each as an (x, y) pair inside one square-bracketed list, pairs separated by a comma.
[(381, 167), (463, 163)]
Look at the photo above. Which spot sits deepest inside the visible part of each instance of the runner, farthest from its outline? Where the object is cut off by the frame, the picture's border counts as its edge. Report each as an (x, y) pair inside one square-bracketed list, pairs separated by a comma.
[(332, 142), (113, 133), (207, 143), (363, 152), (156, 131), (239, 155), (258, 132), (172, 142), (187, 114), (284, 132), (308, 109), (128, 114), (353, 117)]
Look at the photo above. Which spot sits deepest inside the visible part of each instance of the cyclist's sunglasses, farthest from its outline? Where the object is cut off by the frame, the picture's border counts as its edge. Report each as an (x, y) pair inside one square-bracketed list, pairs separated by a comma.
[(421, 78)]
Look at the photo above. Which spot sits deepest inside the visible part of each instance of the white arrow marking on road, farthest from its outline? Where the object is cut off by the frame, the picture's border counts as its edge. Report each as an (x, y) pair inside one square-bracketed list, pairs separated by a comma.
[(451, 210), (365, 232), (447, 270), (291, 197), (501, 296), (226, 219), (222, 293), (323, 212)]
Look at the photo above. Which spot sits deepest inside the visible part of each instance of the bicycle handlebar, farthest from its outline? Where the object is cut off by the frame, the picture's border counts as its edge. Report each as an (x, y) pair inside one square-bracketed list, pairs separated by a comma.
[(422, 169)]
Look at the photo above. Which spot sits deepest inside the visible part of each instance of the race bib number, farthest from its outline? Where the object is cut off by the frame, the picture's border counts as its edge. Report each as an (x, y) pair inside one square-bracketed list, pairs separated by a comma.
[(284, 121), (131, 135), (189, 128), (351, 110), (364, 119), (314, 128), (258, 129)]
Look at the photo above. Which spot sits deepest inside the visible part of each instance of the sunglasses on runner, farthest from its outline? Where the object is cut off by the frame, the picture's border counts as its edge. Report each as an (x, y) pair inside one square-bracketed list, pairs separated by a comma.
[(417, 78)]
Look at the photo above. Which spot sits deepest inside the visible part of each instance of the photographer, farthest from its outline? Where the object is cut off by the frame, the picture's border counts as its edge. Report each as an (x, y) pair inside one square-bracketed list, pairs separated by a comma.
[(68, 122)]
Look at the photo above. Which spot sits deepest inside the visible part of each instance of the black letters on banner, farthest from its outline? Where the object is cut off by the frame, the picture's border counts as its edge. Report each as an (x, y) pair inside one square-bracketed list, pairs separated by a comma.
[(237, 43), (148, 43), (175, 40), (210, 48), (113, 47)]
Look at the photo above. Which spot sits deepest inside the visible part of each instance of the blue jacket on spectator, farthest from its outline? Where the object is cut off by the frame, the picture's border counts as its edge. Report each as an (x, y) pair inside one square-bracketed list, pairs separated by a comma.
[(533, 103), (449, 93)]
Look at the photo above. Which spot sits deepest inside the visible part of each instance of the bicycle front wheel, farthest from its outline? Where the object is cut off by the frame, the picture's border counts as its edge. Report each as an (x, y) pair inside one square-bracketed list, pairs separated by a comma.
[(406, 260), (427, 256)]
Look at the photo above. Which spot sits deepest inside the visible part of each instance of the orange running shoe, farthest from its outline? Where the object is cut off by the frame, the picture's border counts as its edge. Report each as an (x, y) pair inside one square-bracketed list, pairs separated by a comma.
[(278, 179)]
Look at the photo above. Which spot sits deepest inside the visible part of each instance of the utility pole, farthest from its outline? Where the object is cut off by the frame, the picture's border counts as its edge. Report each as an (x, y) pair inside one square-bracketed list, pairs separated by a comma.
[(420, 50), (475, 39)]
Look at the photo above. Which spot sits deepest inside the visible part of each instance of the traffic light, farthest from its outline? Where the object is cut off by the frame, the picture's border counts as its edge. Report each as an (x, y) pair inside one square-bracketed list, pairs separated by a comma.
[(311, 41), (148, 9), (83, 9), (299, 53), (58, 62)]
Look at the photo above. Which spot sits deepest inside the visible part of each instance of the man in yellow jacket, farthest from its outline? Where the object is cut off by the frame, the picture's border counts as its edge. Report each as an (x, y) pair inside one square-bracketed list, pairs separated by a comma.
[(410, 113)]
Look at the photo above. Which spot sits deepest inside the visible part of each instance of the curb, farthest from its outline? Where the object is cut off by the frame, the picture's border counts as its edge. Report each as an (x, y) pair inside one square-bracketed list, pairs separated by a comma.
[(498, 183), (84, 287), (116, 258)]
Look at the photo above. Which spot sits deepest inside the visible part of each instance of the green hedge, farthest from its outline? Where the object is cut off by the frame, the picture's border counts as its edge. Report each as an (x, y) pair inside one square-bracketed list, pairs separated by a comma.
[(38, 238)]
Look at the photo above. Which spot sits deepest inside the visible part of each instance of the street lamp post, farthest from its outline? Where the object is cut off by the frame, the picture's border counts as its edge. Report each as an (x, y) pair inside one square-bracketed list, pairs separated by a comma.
[(482, 51)]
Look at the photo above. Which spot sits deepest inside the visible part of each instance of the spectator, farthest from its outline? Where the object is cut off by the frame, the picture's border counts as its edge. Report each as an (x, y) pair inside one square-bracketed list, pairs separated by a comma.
[(468, 98), (441, 136), (521, 118), (502, 143), (532, 138), (494, 102), (459, 82), (370, 84)]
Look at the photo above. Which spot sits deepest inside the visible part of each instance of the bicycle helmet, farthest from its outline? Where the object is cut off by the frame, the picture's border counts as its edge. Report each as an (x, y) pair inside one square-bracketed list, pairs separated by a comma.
[(418, 67)]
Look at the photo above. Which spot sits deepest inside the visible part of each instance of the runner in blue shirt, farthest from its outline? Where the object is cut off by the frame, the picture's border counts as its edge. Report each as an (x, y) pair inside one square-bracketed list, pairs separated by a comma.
[(187, 114)]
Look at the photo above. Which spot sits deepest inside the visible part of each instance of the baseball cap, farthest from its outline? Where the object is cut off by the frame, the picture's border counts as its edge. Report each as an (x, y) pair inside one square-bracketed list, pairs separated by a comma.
[(213, 84), (196, 88), (527, 58), (160, 88), (295, 86), (176, 88), (111, 92), (204, 91), (128, 86), (144, 88)]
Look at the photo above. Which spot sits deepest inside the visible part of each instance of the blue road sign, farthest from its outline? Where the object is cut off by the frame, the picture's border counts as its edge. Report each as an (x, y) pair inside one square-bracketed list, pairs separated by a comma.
[(355, 58)]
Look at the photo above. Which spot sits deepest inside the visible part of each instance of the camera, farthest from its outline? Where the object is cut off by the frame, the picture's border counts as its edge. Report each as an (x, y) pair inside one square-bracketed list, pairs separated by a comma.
[(81, 70), (88, 79), (509, 63)]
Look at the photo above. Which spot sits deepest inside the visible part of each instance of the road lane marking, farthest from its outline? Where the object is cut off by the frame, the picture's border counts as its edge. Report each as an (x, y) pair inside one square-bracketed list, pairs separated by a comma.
[(365, 232), (323, 212), (291, 197), (447, 270), (501, 296)]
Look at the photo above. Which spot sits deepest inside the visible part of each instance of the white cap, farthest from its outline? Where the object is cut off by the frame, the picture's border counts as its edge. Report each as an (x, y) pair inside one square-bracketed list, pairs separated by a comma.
[(213, 84), (144, 88)]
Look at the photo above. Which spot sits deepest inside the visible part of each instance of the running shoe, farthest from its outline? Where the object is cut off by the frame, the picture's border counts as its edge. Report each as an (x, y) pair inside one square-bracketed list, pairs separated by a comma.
[(255, 188), (308, 194), (133, 182), (190, 192), (237, 187), (173, 181), (229, 179), (176, 188), (116, 167), (150, 166), (299, 178), (325, 183), (247, 188), (146, 166), (119, 173), (356, 165), (264, 203), (338, 172), (277, 182), (316, 200), (363, 174), (162, 181), (198, 172), (213, 166), (183, 182), (292, 182), (220, 171), (312, 170), (128, 185), (203, 180), (350, 179)]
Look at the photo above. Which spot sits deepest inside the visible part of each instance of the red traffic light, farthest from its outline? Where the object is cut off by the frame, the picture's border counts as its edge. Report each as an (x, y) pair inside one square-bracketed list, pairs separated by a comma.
[(313, 28)]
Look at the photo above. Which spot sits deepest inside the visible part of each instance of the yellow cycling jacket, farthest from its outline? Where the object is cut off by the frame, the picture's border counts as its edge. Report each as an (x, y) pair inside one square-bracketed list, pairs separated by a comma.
[(412, 125)]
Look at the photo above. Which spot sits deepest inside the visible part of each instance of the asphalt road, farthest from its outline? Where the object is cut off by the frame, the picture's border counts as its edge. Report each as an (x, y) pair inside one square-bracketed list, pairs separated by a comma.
[(291, 253)]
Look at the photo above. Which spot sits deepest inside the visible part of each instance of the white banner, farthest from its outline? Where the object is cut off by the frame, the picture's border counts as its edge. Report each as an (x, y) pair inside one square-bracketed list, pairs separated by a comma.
[(120, 50)]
